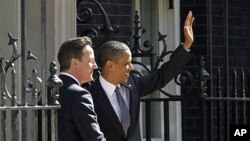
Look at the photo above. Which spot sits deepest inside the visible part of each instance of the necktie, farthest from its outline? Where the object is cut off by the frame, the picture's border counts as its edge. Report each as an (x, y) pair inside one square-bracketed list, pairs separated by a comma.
[(125, 118)]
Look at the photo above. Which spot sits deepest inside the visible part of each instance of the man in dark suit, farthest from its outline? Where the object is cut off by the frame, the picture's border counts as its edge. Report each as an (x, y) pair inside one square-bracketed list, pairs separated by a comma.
[(116, 121), (77, 120)]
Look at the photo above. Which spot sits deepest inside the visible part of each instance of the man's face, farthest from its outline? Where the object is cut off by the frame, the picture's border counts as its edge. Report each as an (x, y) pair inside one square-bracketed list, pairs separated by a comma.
[(86, 66), (122, 67)]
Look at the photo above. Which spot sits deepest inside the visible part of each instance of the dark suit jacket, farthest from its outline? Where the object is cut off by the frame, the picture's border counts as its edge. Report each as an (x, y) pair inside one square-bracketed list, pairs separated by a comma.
[(137, 87), (77, 120)]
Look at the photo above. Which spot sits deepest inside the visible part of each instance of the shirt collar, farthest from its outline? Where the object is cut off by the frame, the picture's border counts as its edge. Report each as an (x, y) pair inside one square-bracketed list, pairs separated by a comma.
[(107, 86), (73, 77)]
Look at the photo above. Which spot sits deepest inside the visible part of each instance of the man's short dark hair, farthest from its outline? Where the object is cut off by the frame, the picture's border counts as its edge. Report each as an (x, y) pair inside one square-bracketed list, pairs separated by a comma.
[(70, 49), (111, 50)]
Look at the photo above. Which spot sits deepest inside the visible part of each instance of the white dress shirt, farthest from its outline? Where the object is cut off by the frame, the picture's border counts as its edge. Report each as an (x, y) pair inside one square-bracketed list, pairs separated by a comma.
[(110, 92)]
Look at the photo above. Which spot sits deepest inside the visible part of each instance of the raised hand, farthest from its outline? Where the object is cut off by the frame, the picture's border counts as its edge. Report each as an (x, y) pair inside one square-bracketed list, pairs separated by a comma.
[(188, 30)]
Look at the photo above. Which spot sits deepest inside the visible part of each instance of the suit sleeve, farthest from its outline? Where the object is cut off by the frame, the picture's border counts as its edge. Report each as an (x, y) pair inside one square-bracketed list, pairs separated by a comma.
[(159, 78), (85, 118)]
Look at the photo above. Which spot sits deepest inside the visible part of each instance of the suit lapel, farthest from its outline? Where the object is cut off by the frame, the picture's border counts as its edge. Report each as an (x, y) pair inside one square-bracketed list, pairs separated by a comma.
[(105, 106)]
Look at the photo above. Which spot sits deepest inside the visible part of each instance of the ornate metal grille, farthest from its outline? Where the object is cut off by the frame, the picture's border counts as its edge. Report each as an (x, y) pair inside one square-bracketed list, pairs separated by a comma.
[(27, 114)]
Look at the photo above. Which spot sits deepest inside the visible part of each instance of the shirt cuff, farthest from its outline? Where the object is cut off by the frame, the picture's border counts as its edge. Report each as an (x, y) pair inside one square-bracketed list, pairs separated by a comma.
[(188, 50)]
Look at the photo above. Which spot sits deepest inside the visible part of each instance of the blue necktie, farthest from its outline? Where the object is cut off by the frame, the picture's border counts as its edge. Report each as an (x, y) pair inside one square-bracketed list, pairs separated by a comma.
[(125, 118)]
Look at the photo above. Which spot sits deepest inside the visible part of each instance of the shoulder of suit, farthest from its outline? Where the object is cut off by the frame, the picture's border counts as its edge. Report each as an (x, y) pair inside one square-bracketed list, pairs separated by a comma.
[(77, 89)]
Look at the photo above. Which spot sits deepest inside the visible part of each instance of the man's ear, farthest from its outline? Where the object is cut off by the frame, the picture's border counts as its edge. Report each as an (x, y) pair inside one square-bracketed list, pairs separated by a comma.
[(73, 62), (109, 64)]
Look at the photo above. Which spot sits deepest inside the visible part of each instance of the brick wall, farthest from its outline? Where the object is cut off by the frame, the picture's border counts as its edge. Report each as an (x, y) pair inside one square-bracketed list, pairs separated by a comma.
[(119, 14), (239, 50)]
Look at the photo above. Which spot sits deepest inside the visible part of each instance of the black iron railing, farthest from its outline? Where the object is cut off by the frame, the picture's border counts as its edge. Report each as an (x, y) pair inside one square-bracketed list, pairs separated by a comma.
[(30, 108)]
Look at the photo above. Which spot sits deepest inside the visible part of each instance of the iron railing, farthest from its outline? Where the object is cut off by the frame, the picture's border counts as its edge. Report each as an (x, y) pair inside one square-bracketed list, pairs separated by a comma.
[(211, 123), (25, 110)]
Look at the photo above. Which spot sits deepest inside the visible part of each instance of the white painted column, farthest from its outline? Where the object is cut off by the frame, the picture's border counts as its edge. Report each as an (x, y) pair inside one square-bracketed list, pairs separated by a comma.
[(61, 23), (169, 21)]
